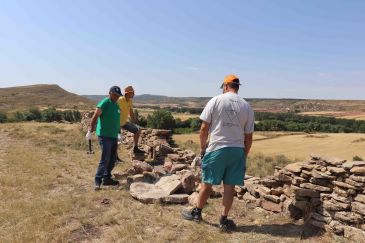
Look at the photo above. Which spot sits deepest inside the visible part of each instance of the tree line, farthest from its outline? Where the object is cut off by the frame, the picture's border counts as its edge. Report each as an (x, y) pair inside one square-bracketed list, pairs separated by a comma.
[(47, 115)]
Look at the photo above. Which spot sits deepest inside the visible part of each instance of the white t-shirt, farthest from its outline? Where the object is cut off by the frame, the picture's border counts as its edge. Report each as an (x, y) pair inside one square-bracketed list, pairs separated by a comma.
[(230, 117)]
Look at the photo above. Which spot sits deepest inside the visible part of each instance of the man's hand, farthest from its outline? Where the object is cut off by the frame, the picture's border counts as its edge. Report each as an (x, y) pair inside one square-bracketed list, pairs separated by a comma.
[(89, 135)]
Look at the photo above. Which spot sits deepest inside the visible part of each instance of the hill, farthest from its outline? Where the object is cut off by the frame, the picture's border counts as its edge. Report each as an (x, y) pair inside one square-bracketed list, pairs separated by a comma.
[(259, 104), (42, 95)]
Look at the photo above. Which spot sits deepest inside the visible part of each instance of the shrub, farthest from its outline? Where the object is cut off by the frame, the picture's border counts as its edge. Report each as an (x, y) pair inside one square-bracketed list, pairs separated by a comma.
[(161, 119), (3, 117), (357, 158)]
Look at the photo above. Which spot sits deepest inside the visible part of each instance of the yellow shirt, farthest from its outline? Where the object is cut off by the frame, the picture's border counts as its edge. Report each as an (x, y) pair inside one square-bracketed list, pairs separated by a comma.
[(124, 107)]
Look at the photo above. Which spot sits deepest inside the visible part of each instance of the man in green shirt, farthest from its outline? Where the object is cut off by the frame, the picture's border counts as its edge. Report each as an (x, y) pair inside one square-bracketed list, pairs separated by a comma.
[(107, 117)]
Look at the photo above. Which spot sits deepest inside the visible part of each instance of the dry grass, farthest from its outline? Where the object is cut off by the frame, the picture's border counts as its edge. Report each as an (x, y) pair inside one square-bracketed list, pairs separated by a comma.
[(298, 146), (46, 192), (337, 114), (183, 116)]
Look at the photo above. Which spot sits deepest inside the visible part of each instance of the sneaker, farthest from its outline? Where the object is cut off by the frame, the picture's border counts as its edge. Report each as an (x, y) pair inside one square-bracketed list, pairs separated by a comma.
[(227, 225), (97, 186), (110, 182), (136, 150), (192, 214)]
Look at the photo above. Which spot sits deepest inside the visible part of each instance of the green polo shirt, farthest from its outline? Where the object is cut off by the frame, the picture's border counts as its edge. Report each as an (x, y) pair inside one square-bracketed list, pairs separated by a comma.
[(109, 120)]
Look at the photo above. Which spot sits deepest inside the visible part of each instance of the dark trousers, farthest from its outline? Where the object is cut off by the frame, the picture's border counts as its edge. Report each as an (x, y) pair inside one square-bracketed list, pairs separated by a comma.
[(108, 157)]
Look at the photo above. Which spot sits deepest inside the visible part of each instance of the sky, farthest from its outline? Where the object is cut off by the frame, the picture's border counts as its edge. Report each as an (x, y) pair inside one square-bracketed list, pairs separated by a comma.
[(312, 49)]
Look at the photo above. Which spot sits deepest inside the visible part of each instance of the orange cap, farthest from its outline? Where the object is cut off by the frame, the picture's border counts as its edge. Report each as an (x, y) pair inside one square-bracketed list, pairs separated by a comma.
[(128, 89), (231, 79)]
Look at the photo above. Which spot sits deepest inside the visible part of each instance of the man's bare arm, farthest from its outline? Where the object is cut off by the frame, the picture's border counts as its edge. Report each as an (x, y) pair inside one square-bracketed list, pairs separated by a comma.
[(95, 117), (204, 132), (131, 115), (248, 142)]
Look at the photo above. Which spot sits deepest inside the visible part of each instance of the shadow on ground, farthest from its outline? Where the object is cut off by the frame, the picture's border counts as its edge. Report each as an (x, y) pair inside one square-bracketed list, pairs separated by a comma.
[(283, 230)]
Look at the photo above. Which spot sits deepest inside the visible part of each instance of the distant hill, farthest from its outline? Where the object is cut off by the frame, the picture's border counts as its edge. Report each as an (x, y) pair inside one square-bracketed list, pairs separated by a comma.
[(42, 95), (259, 104)]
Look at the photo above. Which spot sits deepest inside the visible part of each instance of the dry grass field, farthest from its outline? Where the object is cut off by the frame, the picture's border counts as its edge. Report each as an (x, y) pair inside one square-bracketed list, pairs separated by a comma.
[(299, 146), (183, 116), (46, 190)]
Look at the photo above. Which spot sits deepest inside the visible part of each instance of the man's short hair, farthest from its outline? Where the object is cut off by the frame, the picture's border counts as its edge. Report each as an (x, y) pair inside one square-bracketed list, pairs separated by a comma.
[(234, 86)]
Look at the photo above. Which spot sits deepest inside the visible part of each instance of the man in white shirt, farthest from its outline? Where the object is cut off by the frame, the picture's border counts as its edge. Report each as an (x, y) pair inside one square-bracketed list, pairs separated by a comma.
[(229, 120)]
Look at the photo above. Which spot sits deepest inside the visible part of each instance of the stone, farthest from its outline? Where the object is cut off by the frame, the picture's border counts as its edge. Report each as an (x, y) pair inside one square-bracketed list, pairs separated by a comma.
[(167, 164), (284, 178), (272, 198), (336, 170), (349, 217), (334, 161), (343, 185), (193, 199), (360, 198), (188, 182), (138, 157), (354, 183), (161, 133), (321, 210), (120, 175), (165, 149), (150, 177), (315, 187), (174, 157), (277, 191), (358, 178), (249, 198), (169, 184), (306, 193), (321, 182), (298, 180), (321, 218), (341, 192), (178, 167), (348, 165), (262, 190), (270, 182), (135, 178), (159, 170), (339, 198), (336, 206), (315, 157), (358, 207), (147, 193), (176, 199), (294, 167), (358, 170), (283, 198), (321, 175), (317, 223), (308, 166), (271, 206), (336, 227), (251, 188), (356, 235)]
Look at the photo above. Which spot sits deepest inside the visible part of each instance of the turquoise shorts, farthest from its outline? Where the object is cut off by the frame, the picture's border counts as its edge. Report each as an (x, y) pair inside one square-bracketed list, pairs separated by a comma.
[(227, 164)]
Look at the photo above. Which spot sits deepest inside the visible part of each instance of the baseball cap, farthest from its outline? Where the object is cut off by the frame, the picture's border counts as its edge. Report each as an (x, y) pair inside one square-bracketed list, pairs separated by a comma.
[(116, 90), (230, 79), (128, 89)]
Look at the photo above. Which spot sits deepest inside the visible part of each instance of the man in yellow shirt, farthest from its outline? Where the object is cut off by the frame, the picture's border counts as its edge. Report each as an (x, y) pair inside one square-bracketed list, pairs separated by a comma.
[(126, 108)]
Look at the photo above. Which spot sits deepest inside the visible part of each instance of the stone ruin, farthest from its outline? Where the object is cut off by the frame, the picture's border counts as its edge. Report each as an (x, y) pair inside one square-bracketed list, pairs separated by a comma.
[(325, 192)]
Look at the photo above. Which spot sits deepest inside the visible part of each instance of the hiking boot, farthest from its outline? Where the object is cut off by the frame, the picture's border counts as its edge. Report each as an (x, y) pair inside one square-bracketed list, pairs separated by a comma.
[(227, 225), (192, 214), (110, 182), (136, 150)]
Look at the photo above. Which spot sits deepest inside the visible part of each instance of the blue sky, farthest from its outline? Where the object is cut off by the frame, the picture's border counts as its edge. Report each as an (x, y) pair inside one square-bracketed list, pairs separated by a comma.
[(279, 49)]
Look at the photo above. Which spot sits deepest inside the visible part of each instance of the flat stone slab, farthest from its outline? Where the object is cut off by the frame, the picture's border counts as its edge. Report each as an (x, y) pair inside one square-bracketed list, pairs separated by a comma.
[(169, 184), (147, 193), (176, 198)]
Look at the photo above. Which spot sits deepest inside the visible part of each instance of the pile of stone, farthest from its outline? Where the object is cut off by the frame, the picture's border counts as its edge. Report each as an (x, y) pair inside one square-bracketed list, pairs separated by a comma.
[(327, 193)]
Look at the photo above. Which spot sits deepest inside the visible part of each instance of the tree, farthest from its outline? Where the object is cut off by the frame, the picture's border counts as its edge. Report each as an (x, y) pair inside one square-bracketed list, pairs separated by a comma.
[(161, 119), (3, 117)]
